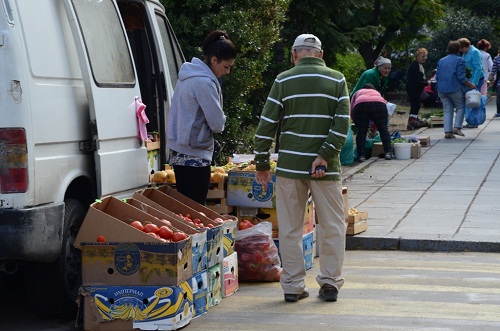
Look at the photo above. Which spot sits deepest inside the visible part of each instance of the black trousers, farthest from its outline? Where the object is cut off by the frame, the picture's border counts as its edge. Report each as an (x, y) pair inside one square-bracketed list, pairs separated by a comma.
[(193, 182), (361, 115), (415, 101)]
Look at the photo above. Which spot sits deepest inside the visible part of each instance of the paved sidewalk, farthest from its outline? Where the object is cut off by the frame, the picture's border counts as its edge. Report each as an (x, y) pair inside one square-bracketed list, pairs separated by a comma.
[(446, 200)]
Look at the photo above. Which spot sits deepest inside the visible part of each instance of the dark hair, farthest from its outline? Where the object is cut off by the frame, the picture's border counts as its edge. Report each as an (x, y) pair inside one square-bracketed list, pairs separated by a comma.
[(483, 45), (369, 86), (218, 44), (453, 47)]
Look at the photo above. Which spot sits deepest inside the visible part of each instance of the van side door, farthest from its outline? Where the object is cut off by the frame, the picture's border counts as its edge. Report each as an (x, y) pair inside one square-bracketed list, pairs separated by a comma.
[(111, 86)]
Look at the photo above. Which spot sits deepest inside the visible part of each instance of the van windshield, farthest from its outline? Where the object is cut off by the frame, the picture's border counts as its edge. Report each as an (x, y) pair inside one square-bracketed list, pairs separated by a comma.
[(105, 42)]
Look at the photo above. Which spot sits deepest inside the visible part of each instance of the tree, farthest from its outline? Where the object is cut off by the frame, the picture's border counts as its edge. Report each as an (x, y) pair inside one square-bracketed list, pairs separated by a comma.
[(455, 24), (254, 27)]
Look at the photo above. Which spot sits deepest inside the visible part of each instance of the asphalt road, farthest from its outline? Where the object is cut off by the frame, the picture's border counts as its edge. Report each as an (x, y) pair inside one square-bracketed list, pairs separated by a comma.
[(384, 290)]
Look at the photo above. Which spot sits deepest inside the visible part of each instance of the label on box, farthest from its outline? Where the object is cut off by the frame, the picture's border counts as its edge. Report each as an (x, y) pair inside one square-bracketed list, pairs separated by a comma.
[(244, 191)]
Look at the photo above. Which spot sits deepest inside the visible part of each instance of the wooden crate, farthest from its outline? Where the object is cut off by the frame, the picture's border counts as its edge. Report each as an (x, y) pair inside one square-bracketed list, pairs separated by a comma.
[(425, 141), (357, 227), (361, 216), (217, 190), (436, 120), (219, 206)]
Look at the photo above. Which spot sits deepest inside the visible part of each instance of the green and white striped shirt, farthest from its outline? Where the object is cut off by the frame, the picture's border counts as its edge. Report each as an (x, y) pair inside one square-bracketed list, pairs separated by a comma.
[(312, 101)]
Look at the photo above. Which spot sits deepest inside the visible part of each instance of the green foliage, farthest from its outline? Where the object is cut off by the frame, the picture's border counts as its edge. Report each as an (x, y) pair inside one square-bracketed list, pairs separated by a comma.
[(455, 24), (352, 66), (254, 27)]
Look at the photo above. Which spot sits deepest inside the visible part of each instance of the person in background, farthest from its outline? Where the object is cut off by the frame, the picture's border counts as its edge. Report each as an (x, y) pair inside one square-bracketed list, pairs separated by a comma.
[(432, 100), (196, 114), (484, 46), (452, 84), (311, 101), (495, 81), (415, 83), (378, 76), (474, 63), (368, 105)]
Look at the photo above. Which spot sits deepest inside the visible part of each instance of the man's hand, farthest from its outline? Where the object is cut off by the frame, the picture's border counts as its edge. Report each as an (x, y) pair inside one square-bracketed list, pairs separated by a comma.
[(263, 177), (318, 173)]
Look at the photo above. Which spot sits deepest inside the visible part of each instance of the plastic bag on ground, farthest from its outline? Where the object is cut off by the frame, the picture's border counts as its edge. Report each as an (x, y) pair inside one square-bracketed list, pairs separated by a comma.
[(258, 259)]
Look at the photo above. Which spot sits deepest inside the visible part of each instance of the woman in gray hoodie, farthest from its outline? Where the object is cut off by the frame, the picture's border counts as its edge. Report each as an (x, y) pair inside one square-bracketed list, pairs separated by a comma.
[(196, 114)]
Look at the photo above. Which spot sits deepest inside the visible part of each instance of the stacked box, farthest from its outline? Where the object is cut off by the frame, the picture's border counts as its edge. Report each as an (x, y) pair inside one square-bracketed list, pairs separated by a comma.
[(199, 284), (217, 196), (129, 256), (307, 247), (244, 191), (357, 222), (214, 285), (425, 141), (214, 234), (199, 237), (307, 243), (118, 308), (229, 224), (230, 275)]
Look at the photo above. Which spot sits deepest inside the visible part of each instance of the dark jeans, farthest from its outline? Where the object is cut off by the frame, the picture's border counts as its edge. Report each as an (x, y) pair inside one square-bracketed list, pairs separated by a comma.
[(193, 182), (498, 99), (361, 115), (415, 101)]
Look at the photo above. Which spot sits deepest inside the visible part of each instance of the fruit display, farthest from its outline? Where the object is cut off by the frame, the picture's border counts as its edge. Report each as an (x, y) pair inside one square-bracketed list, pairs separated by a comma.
[(164, 176), (164, 233), (258, 259)]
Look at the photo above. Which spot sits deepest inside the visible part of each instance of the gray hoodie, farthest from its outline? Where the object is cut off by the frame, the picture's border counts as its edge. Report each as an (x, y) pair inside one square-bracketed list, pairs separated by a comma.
[(196, 111)]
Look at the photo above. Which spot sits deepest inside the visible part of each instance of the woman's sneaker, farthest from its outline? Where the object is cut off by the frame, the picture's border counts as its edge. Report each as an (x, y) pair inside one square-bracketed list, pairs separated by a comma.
[(388, 156)]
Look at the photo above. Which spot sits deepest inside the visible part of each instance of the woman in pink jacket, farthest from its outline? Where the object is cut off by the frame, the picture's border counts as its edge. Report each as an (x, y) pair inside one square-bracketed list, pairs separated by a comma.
[(368, 104)]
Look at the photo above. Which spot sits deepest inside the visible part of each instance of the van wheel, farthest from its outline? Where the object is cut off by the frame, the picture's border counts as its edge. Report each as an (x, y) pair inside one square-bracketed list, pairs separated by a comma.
[(53, 288)]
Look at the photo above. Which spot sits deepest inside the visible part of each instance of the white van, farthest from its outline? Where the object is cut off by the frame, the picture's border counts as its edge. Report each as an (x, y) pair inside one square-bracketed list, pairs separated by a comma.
[(69, 71)]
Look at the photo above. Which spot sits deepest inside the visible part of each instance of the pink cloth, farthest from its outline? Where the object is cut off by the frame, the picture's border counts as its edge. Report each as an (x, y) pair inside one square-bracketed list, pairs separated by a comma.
[(366, 95), (142, 119)]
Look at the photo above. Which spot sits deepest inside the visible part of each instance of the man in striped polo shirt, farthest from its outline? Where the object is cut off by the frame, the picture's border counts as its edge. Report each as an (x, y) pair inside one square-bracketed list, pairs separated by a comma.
[(311, 104)]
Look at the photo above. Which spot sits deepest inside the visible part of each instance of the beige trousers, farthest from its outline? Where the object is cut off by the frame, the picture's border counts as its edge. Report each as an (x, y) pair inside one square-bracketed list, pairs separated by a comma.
[(291, 197)]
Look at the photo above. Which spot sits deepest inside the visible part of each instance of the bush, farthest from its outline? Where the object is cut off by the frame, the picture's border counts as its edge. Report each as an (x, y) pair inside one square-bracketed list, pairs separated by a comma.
[(352, 66)]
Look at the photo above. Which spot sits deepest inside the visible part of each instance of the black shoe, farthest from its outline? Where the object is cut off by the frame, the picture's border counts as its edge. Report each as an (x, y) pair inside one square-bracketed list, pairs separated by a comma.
[(328, 292), (388, 156), (297, 297), (468, 126)]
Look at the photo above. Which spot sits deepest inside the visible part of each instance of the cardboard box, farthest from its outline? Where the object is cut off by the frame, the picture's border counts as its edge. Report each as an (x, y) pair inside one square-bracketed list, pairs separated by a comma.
[(378, 149), (357, 227), (199, 284), (307, 246), (307, 243), (129, 256), (228, 227), (198, 237), (416, 150), (242, 190), (214, 285), (122, 308), (230, 274), (425, 141), (214, 235)]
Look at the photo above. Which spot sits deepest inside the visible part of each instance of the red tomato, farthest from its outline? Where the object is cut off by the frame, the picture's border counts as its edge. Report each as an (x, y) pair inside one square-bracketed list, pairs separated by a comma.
[(187, 216), (165, 232), (166, 222), (218, 220), (151, 228), (152, 234), (210, 225), (178, 236), (243, 226), (101, 239), (138, 225), (197, 221)]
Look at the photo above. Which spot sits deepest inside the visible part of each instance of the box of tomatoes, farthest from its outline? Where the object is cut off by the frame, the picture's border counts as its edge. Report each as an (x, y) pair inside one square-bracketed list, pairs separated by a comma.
[(123, 245)]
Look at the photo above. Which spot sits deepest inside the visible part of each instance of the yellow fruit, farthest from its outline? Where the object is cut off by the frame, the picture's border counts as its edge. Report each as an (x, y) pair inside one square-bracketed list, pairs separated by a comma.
[(170, 178), (216, 177), (159, 176)]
